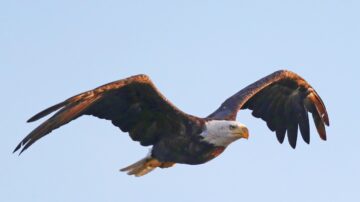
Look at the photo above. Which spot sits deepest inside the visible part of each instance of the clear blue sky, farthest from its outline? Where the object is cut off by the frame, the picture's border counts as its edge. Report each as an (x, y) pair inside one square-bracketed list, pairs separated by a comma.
[(198, 53)]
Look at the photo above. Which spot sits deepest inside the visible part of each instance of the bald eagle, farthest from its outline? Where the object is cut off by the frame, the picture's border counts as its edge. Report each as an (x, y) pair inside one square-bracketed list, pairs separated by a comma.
[(282, 99)]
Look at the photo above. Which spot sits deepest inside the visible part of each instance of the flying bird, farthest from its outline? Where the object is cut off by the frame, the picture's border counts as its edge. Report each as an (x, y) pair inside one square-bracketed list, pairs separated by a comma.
[(282, 99)]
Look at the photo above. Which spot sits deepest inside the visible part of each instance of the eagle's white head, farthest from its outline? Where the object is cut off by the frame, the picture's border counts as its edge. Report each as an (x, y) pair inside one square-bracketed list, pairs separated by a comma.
[(222, 132)]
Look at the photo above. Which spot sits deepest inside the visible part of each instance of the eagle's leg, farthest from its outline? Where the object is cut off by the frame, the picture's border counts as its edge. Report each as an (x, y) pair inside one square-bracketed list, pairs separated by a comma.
[(144, 166)]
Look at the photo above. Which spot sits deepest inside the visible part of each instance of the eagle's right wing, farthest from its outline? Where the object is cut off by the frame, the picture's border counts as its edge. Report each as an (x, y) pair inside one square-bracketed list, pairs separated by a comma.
[(282, 99)]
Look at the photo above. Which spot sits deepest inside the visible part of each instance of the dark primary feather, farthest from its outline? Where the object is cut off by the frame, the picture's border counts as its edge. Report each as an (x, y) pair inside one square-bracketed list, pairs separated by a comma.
[(133, 104), (282, 99), (46, 112)]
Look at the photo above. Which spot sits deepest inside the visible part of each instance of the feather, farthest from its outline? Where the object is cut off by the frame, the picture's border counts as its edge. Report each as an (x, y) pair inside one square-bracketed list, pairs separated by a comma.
[(304, 126), (68, 113), (261, 104), (319, 126), (291, 121), (46, 112), (292, 134), (271, 115), (280, 134), (320, 108)]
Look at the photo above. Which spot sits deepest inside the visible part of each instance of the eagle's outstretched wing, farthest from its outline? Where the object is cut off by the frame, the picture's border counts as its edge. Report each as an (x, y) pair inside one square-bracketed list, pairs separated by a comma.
[(282, 99), (133, 104)]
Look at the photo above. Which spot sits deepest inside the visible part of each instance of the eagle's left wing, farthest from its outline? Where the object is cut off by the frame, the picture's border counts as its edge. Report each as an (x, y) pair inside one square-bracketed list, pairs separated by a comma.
[(282, 99), (133, 104)]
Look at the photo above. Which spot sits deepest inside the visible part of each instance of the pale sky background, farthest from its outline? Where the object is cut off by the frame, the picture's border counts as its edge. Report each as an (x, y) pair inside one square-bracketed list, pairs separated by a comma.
[(198, 53)]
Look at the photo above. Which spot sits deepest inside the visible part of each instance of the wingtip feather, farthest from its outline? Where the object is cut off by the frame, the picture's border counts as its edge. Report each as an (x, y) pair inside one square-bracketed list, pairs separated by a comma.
[(320, 107), (17, 148), (23, 145), (319, 125), (46, 112), (326, 119)]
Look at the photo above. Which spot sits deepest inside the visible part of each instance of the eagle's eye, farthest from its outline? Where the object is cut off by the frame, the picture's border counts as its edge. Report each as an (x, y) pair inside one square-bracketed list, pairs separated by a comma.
[(232, 127)]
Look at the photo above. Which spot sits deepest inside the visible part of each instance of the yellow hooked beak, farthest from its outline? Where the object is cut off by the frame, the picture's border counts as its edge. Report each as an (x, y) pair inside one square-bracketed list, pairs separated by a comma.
[(242, 131)]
